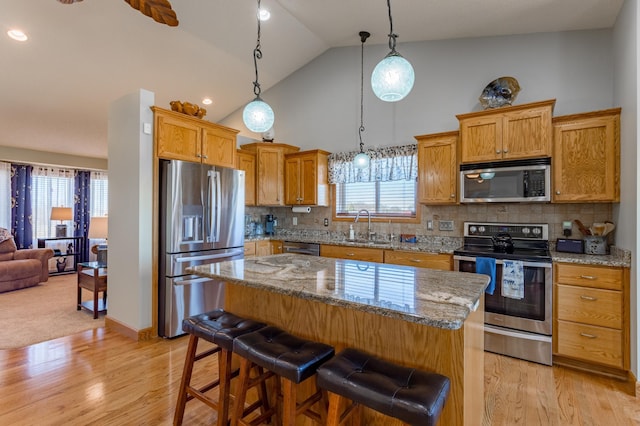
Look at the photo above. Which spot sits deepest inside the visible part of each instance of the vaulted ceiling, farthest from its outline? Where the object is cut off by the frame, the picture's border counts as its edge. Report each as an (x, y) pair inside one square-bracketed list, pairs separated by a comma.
[(55, 88)]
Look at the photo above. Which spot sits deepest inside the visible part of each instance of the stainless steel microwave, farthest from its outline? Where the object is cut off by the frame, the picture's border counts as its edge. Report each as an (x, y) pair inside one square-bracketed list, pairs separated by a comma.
[(506, 181)]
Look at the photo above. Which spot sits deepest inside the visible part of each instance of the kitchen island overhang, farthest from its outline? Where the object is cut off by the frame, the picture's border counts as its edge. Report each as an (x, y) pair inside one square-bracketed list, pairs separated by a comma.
[(417, 317)]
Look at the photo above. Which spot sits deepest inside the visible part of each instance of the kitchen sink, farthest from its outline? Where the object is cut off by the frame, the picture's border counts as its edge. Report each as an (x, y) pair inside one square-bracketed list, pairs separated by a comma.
[(360, 241)]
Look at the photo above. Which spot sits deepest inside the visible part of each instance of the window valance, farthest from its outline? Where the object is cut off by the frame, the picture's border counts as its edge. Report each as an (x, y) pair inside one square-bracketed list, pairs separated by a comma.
[(387, 164)]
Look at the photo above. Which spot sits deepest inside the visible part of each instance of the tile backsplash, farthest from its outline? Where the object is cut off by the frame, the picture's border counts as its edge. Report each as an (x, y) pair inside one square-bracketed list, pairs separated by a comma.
[(553, 214)]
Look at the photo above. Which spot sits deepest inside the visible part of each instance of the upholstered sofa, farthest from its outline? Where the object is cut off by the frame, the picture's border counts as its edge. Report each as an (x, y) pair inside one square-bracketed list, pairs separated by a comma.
[(22, 268)]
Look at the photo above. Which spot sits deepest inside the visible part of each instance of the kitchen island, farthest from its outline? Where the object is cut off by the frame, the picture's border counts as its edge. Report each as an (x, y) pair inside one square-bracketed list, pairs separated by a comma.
[(417, 317)]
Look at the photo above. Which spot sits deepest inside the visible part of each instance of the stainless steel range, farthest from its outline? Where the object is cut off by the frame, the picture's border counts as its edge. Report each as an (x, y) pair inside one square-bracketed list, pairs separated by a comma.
[(517, 323)]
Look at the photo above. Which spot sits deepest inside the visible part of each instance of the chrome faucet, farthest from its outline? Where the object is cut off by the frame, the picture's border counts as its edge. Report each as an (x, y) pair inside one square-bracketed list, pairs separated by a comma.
[(369, 233)]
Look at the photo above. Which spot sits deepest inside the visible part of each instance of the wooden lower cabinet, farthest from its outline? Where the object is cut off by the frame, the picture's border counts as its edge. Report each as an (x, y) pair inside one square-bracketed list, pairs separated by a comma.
[(441, 261), (249, 248), (355, 253), (591, 317), (263, 248), (276, 247)]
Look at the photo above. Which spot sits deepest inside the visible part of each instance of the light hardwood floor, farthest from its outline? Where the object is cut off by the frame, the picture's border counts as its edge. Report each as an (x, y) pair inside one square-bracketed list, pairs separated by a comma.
[(100, 377)]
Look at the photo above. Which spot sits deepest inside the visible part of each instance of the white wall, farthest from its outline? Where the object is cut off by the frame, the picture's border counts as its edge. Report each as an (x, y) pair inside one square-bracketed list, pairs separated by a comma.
[(625, 94), (319, 105), (130, 210)]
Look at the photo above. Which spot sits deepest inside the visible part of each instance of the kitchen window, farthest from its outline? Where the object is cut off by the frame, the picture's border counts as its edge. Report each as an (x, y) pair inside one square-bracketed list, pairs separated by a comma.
[(386, 188), (381, 199)]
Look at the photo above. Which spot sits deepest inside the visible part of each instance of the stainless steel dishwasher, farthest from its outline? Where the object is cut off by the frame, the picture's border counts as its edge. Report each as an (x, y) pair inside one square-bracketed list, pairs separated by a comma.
[(311, 249)]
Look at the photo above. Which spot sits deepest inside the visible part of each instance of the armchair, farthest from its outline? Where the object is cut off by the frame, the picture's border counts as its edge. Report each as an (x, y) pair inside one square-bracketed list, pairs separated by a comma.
[(22, 268)]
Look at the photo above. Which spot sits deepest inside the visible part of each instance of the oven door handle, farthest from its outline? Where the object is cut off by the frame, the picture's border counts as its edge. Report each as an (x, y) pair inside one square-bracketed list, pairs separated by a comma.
[(500, 262)]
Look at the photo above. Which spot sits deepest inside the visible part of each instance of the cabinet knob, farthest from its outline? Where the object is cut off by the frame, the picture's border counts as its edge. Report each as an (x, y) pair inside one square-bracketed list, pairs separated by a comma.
[(453, 195), (498, 151), (557, 192), (505, 151), (205, 157)]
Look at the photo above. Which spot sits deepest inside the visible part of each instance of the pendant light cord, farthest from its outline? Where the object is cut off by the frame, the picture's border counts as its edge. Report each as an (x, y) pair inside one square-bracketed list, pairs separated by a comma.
[(257, 54), (361, 129), (392, 36)]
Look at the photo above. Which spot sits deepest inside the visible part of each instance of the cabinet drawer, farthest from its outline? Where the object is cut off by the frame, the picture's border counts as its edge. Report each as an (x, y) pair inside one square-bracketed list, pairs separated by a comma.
[(355, 253), (590, 306), (423, 260), (589, 276), (590, 343)]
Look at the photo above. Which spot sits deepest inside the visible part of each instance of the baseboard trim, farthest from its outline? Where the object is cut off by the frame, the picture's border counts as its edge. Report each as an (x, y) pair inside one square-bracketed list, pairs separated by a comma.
[(630, 385), (125, 330)]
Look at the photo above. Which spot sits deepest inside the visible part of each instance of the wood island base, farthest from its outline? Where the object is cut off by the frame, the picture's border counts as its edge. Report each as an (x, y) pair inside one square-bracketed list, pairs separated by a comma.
[(457, 354)]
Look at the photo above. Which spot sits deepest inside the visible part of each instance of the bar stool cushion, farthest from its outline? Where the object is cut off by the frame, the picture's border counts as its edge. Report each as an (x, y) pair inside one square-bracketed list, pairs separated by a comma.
[(219, 327), (282, 353), (413, 396)]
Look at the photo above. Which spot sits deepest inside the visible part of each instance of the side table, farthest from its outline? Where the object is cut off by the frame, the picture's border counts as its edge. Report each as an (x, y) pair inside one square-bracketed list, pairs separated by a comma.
[(92, 276)]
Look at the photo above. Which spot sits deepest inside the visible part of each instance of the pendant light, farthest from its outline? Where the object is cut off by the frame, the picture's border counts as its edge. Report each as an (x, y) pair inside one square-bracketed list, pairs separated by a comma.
[(361, 160), (257, 115), (392, 79)]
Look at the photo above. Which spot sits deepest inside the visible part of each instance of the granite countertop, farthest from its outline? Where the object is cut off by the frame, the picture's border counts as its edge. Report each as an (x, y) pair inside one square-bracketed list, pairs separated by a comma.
[(439, 299), (618, 257)]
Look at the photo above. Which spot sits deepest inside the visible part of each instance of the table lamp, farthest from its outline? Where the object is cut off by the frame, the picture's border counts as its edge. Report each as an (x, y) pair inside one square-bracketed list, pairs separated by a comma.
[(61, 214), (99, 229)]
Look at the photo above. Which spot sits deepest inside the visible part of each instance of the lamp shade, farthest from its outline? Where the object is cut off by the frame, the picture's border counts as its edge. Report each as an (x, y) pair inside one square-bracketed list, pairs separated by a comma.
[(258, 116), (392, 79), (61, 213), (99, 227)]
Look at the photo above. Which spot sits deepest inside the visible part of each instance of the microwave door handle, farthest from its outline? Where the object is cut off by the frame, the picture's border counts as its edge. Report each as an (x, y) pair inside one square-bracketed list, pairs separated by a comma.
[(525, 183)]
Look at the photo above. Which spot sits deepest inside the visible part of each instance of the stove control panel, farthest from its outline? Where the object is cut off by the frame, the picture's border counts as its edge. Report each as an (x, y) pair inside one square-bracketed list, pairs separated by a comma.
[(528, 231)]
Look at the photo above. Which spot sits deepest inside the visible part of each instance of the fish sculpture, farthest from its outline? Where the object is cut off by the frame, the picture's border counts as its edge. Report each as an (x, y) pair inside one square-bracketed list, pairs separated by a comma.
[(500, 92)]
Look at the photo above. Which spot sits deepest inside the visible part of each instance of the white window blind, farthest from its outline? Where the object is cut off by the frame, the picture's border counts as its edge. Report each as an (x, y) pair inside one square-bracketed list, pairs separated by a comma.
[(99, 194), (50, 187), (382, 199)]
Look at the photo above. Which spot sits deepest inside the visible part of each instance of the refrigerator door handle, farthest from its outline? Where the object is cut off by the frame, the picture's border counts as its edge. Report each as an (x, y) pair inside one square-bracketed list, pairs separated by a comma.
[(208, 256), (190, 281), (214, 208)]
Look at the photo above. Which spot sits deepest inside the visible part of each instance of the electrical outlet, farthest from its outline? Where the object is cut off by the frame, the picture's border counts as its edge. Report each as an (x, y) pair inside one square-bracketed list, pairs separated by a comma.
[(295, 221), (430, 225), (566, 228), (326, 222), (445, 225)]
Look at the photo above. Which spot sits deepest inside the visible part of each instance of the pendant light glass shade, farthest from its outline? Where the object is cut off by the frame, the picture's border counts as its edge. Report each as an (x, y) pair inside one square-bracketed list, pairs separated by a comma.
[(392, 79), (258, 116), (361, 161)]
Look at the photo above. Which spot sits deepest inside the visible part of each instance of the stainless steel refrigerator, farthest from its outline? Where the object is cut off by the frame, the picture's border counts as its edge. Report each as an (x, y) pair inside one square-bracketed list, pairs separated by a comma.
[(201, 221)]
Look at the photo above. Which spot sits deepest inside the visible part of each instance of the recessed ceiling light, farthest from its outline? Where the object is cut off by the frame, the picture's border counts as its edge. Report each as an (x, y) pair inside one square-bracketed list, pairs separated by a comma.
[(17, 35), (207, 101), (264, 15)]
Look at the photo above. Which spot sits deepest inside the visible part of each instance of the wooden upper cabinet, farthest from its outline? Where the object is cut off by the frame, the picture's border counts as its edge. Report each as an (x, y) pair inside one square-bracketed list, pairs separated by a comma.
[(182, 137), (306, 178), (270, 171), (507, 133), (586, 157), (437, 168), (247, 161)]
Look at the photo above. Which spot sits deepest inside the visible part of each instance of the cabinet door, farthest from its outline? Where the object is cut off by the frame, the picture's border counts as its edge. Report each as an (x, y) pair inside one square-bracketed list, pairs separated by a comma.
[(292, 181), (263, 248), (276, 247), (247, 162), (249, 249), (481, 139), (177, 139), (270, 177), (586, 160), (309, 181), (218, 147), (437, 168), (527, 133)]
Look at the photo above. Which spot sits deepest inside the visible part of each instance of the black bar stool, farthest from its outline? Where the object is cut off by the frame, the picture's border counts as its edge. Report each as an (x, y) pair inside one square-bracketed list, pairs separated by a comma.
[(412, 396), (221, 328), (286, 357)]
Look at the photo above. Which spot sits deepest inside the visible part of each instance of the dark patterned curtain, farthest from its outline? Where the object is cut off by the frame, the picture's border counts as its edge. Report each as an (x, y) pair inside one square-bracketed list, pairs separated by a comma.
[(81, 210), (21, 213)]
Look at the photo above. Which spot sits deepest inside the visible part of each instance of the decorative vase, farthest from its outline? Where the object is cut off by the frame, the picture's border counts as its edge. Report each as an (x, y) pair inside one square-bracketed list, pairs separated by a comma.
[(61, 264)]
